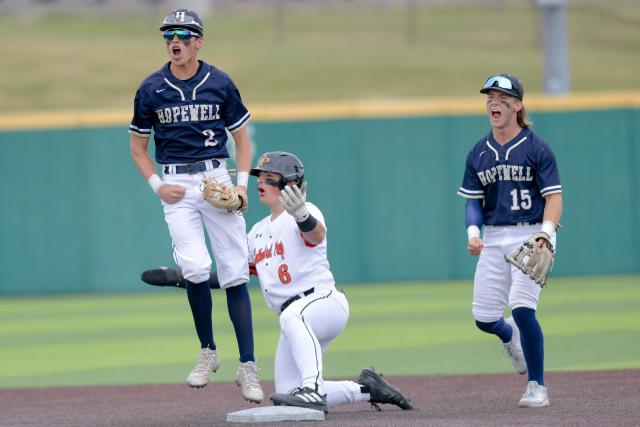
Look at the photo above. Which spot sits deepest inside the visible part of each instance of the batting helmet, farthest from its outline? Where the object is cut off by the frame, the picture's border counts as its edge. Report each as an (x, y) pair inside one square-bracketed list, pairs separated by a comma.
[(183, 18), (504, 83), (280, 162)]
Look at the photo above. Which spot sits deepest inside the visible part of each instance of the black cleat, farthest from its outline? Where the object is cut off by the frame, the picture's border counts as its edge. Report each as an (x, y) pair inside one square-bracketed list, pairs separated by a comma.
[(381, 391), (303, 398), (164, 276)]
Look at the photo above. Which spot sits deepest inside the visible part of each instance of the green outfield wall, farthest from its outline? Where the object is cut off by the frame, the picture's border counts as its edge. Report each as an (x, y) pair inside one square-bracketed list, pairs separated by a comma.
[(77, 217)]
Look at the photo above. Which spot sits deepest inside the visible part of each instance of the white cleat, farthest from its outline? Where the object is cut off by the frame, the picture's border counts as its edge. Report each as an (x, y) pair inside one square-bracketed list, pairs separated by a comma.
[(207, 363), (514, 348), (247, 379), (535, 396)]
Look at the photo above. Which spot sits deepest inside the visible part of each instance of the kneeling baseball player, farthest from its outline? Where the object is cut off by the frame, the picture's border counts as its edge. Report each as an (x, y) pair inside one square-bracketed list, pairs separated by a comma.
[(288, 253)]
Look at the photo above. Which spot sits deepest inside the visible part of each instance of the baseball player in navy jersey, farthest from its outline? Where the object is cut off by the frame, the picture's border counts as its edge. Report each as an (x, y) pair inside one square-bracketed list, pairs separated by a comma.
[(512, 187), (189, 104), (288, 253)]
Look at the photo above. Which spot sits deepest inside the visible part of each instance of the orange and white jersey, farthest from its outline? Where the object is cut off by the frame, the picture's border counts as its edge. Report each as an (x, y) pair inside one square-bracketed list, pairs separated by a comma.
[(284, 262)]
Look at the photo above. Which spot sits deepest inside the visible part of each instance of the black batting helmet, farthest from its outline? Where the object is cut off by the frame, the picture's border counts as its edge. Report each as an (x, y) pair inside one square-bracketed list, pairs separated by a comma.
[(283, 163), (183, 18)]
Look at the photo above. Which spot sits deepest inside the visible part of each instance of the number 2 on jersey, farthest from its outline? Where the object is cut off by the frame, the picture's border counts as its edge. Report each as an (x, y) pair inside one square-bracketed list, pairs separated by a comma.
[(525, 200), (283, 274), (210, 141)]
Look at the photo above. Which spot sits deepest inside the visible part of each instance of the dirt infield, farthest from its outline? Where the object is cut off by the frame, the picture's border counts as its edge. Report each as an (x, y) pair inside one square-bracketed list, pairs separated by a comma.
[(604, 398)]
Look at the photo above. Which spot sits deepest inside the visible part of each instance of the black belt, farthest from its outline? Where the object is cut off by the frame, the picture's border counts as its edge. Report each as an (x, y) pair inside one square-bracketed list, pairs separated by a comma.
[(294, 298), (192, 168)]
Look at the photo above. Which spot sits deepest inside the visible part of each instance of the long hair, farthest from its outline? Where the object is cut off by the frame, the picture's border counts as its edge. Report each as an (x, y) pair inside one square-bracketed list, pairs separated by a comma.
[(523, 118)]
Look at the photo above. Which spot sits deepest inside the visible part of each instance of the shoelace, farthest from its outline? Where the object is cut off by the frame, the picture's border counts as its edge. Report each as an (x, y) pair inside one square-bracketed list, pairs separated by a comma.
[(204, 363), (249, 375), (531, 390)]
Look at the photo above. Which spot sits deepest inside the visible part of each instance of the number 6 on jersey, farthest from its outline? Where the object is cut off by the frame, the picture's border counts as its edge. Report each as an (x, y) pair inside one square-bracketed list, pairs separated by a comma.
[(283, 274)]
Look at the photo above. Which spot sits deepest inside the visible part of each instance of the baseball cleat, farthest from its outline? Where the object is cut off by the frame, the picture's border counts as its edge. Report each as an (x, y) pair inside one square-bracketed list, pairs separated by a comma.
[(302, 397), (207, 363), (164, 276), (247, 379), (514, 348), (535, 396), (381, 391)]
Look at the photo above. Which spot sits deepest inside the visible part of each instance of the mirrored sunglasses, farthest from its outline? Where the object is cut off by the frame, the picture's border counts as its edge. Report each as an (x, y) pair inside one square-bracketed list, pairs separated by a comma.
[(502, 83), (498, 81), (182, 34)]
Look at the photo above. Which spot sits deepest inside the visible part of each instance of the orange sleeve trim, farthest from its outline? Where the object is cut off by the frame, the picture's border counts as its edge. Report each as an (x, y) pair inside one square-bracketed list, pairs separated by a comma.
[(306, 242), (252, 269)]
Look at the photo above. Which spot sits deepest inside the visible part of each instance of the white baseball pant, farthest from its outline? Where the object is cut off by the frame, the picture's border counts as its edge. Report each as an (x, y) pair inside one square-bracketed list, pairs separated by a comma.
[(498, 283), (307, 327), (227, 232)]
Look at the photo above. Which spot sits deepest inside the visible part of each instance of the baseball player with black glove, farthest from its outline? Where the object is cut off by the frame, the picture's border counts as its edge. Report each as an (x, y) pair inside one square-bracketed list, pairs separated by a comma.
[(190, 105), (513, 189), (288, 254)]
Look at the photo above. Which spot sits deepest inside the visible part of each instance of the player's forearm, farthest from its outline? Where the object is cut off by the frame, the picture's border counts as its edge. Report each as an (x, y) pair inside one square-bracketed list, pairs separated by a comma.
[(315, 236), (243, 150), (140, 156), (473, 217), (243, 155), (553, 208), (552, 213), (146, 167)]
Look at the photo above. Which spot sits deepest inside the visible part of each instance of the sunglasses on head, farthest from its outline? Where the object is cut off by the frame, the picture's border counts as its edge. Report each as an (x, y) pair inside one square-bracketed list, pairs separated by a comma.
[(501, 82), (182, 34)]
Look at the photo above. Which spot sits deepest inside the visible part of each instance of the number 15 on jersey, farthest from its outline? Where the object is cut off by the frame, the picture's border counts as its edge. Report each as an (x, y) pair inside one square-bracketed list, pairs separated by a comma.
[(521, 199)]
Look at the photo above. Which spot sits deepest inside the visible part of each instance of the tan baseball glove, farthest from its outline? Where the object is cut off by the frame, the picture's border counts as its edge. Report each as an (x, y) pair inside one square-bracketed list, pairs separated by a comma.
[(225, 196), (533, 258)]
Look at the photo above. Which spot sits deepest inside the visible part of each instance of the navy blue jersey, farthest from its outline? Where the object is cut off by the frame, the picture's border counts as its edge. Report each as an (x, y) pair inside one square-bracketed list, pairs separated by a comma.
[(188, 117), (513, 179)]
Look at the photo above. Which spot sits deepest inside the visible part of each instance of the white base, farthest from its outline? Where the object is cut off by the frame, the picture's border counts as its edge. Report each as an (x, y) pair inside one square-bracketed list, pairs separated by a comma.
[(266, 414)]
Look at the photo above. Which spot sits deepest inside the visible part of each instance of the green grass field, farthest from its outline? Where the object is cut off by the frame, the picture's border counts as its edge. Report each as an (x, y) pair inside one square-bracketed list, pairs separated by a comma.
[(63, 62), (404, 329)]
